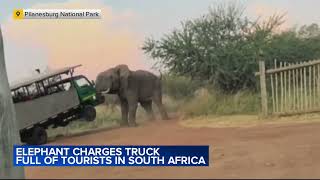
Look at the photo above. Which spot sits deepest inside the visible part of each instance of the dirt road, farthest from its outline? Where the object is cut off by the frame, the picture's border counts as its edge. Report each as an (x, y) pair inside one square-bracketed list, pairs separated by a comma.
[(266, 151)]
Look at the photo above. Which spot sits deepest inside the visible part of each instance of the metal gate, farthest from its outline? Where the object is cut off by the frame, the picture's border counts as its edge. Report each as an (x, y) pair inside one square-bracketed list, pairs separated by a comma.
[(290, 88)]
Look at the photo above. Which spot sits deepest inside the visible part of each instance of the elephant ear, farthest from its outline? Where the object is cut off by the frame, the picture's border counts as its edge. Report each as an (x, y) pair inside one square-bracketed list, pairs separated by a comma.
[(124, 73)]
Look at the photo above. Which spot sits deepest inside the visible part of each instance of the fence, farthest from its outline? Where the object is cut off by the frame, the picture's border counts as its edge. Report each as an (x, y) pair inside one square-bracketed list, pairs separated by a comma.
[(290, 88)]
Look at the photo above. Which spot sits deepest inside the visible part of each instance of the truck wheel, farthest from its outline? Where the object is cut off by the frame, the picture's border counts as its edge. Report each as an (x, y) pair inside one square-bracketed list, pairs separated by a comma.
[(89, 113), (39, 136), (24, 135)]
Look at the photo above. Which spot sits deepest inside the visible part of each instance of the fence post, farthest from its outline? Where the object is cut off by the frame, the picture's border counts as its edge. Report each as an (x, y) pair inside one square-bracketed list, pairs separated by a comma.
[(9, 134), (263, 87)]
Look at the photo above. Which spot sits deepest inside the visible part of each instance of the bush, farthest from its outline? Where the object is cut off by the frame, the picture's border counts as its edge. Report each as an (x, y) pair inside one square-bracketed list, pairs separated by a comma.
[(171, 104), (203, 103), (179, 87), (209, 102), (223, 46)]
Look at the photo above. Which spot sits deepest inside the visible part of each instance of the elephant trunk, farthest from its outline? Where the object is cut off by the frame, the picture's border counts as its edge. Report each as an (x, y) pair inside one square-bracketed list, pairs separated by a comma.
[(103, 86)]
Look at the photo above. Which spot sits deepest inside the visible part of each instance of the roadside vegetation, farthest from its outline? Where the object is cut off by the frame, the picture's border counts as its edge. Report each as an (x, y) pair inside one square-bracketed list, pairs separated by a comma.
[(210, 61)]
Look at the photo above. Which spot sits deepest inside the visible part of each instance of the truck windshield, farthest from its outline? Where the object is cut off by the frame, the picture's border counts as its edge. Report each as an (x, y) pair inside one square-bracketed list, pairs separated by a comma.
[(82, 82)]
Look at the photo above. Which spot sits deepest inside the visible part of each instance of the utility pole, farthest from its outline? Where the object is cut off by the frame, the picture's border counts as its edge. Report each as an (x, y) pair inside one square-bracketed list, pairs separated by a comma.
[(8, 125)]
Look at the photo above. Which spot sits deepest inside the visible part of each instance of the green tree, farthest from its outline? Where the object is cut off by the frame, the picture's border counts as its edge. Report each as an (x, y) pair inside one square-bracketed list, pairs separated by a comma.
[(295, 45), (219, 48), (309, 31)]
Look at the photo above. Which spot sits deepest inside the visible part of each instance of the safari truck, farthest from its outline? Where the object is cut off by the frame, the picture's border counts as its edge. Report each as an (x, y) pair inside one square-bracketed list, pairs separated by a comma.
[(52, 99)]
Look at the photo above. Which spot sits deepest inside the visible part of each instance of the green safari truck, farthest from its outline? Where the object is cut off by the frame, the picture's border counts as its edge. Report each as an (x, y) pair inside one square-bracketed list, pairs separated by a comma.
[(52, 99)]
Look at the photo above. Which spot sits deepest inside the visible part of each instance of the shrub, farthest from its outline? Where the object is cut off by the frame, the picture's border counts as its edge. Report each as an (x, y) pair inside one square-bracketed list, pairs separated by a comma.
[(179, 87), (208, 102)]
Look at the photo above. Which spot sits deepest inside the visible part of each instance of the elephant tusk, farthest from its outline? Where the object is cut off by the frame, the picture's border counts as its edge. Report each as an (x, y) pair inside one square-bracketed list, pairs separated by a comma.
[(106, 91)]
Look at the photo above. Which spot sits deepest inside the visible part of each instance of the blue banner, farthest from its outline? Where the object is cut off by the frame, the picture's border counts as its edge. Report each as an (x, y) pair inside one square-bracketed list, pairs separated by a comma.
[(111, 155)]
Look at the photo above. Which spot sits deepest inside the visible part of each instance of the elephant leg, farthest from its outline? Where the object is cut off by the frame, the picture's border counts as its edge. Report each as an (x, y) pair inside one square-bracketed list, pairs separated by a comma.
[(158, 101), (124, 113), (147, 105), (132, 104)]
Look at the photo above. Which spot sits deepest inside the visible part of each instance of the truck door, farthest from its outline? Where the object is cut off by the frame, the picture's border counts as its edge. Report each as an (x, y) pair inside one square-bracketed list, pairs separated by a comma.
[(86, 91)]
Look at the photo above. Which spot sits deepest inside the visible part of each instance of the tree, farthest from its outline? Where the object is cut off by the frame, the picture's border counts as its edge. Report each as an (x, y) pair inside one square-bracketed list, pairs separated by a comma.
[(8, 125), (295, 45), (309, 31), (219, 48)]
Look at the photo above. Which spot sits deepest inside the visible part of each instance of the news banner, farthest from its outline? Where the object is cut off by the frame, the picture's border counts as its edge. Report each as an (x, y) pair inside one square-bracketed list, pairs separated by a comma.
[(25, 155)]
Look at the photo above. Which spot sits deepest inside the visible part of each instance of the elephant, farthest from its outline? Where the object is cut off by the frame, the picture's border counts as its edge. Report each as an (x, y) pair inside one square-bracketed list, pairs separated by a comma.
[(132, 87)]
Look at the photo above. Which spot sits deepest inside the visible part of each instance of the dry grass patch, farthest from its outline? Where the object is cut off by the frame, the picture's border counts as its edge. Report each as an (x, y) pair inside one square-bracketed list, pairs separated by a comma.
[(245, 120)]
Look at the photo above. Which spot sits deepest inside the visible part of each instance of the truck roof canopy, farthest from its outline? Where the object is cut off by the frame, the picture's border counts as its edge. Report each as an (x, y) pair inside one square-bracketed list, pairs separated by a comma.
[(43, 76)]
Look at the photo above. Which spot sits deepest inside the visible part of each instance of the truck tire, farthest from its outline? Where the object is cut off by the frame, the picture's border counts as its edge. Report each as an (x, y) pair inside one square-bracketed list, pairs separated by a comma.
[(89, 113), (38, 136)]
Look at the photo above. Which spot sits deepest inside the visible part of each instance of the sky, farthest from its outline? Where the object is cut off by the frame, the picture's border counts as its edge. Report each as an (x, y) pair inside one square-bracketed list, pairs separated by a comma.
[(118, 36)]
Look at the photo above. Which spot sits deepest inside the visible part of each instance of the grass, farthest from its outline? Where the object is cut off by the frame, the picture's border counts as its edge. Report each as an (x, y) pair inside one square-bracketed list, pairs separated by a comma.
[(194, 98), (213, 121), (205, 102), (208, 108), (106, 117)]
